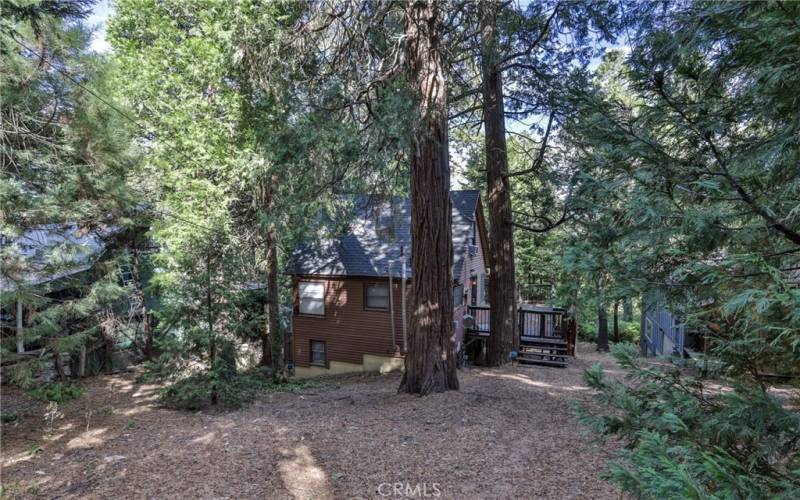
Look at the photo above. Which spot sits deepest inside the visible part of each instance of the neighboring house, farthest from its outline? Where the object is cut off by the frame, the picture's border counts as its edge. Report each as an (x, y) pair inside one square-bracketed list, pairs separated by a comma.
[(53, 262), (346, 318), (662, 333)]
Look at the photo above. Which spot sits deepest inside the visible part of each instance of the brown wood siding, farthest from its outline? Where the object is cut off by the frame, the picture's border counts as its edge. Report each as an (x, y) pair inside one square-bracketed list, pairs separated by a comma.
[(347, 328)]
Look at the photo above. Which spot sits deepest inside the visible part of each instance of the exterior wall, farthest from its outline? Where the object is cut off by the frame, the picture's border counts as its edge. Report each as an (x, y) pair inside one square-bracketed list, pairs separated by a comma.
[(359, 339), (476, 264), (349, 330), (666, 334), (371, 364)]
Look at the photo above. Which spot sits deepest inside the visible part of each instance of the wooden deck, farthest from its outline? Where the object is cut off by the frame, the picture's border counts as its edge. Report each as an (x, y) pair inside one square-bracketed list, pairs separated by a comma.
[(546, 335)]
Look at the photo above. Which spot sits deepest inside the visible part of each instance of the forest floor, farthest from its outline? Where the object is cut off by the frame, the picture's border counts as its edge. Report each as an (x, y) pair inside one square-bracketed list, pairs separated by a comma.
[(508, 433)]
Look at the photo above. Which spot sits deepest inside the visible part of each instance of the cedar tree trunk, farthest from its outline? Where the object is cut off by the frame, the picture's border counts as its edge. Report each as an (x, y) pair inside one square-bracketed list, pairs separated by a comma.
[(627, 310), (212, 354), (602, 328), (430, 364), (501, 235), (274, 333), (147, 330), (272, 337)]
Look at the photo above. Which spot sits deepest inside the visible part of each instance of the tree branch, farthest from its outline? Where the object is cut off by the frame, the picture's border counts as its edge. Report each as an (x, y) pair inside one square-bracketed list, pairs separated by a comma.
[(537, 164)]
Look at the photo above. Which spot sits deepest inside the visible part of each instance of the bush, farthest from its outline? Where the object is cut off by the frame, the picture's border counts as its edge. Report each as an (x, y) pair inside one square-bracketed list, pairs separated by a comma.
[(683, 440), (8, 417), (57, 392), (195, 391)]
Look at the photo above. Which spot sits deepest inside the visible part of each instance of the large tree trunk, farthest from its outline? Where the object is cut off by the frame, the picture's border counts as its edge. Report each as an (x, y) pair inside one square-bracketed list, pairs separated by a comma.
[(616, 321), (147, 330), (501, 235), (212, 338), (274, 332), (602, 328), (430, 364), (272, 337), (627, 310)]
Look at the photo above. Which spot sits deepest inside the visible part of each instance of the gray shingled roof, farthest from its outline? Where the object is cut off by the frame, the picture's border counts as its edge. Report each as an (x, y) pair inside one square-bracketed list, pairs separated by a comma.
[(378, 231), (51, 252)]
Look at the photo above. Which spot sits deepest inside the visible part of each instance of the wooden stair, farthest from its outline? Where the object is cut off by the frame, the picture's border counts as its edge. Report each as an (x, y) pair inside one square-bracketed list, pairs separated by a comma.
[(542, 351)]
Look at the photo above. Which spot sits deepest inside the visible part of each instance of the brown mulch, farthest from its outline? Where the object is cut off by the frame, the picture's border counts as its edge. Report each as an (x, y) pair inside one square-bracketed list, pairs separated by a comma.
[(508, 433)]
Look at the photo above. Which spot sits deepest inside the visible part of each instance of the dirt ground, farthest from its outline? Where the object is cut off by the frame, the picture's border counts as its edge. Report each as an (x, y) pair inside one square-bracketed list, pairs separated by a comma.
[(508, 433)]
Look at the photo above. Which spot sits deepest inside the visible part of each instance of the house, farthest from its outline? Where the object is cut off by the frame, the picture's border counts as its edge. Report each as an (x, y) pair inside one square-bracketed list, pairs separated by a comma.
[(347, 317), (664, 331), (53, 263)]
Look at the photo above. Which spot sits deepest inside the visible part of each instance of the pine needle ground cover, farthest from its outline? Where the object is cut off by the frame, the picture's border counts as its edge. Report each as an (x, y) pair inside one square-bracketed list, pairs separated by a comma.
[(509, 433)]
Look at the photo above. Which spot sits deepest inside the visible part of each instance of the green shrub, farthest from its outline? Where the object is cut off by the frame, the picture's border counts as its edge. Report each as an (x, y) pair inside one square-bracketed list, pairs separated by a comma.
[(57, 392), (195, 391), (686, 441), (8, 417)]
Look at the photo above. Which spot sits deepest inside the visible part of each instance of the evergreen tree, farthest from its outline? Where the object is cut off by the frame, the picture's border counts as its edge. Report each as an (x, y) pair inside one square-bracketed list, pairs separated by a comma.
[(66, 167), (692, 159)]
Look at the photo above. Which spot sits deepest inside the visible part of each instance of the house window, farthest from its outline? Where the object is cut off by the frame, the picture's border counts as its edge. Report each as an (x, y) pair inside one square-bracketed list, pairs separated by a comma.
[(376, 296), (312, 298), (485, 296), (317, 352), (473, 284), (458, 295), (473, 237)]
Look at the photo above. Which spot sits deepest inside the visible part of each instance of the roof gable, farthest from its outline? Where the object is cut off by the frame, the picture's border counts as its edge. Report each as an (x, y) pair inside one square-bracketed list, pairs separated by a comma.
[(377, 235)]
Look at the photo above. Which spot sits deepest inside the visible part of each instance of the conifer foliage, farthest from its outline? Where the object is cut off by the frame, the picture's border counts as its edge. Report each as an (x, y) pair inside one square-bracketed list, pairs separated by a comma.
[(690, 158)]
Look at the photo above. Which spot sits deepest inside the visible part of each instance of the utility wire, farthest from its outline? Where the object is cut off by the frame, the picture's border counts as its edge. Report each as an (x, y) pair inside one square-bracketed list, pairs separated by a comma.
[(108, 103)]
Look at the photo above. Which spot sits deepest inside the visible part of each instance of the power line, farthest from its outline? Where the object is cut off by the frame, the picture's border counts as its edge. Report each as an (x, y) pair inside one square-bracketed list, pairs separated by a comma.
[(107, 102)]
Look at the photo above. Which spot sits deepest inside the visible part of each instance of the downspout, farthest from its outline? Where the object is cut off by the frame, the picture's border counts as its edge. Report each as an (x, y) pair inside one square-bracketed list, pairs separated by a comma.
[(391, 307), (403, 300)]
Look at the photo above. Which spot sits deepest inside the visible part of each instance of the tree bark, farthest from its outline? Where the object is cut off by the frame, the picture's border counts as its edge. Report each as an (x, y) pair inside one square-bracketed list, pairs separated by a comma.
[(108, 340), (274, 331), (430, 364), (616, 321), (20, 332), (602, 328), (272, 345), (501, 233), (212, 354), (627, 310), (147, 331)]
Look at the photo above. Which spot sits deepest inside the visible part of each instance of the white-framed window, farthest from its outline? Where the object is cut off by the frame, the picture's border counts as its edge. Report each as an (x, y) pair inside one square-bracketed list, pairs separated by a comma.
[(317, 355), (312, 298), (376, 296)]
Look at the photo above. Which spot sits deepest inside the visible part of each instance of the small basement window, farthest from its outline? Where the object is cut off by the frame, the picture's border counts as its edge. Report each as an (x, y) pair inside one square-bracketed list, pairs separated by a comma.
[(318, 353), (312, 298), (376, 296)]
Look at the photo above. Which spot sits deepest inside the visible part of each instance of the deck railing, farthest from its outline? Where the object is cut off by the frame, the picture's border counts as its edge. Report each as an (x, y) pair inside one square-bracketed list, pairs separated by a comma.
[(534, 325), (538, 323), (480, 319)]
